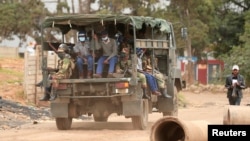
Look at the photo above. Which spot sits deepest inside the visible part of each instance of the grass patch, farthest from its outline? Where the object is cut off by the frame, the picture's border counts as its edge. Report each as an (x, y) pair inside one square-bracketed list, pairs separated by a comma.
[(182, 103), (11, 76), (20, 94)]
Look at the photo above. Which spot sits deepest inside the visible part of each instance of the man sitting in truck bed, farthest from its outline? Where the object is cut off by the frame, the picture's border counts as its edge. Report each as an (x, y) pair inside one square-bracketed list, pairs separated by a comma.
[(109, 56), (83, 55), (147, 67), (123, 69)]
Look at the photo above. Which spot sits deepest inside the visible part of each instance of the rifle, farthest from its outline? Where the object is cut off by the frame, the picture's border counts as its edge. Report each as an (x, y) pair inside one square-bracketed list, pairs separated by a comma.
[(149, 73)]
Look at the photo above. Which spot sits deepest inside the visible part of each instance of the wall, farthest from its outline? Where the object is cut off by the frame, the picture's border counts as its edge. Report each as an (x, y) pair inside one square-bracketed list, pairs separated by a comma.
[(209, 72), (33, 74), (9, 52)]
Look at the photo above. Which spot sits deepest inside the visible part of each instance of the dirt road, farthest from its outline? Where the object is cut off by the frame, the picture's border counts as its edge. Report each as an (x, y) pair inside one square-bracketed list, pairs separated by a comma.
[(206, 106)]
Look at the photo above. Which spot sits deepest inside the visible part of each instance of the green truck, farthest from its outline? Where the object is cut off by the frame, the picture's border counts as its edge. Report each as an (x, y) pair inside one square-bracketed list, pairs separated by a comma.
[(102, 97)]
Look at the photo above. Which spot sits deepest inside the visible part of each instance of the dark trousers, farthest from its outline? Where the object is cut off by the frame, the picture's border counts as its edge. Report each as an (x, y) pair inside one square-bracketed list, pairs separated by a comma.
[(234, 100)]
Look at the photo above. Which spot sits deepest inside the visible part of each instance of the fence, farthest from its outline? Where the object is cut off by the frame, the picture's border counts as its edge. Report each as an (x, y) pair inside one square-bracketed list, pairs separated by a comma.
[(33, 74)]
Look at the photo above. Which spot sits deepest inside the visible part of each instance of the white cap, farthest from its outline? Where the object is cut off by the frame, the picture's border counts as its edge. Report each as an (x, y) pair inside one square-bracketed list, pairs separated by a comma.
[(235, 67)]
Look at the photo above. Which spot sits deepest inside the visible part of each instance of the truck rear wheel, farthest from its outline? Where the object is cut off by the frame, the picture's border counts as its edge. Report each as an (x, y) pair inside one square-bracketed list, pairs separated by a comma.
[(63, 123), (100, 119), (175, 102), (140, 122), (101, 112)]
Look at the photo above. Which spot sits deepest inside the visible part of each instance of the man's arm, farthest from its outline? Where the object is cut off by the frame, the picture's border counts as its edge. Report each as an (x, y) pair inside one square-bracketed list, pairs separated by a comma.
[(228, 83), (241, 82), (114, 48)]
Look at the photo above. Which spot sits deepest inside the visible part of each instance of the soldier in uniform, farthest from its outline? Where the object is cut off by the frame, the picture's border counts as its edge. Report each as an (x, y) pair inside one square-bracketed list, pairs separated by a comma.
[(124, 67), (62, 71), (147, 66), (151, 81)]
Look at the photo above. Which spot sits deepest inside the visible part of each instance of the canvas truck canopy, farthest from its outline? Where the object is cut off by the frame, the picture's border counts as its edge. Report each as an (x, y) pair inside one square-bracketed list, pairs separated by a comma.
[(77, 21)]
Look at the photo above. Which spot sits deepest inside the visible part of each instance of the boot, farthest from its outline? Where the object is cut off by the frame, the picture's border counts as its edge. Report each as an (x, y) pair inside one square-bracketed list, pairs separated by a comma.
[(145, 96), (97, 76), (89, 74), (40, 84), (81, 75), (157, 93), (46, 97), (164, 93), (53, 96)]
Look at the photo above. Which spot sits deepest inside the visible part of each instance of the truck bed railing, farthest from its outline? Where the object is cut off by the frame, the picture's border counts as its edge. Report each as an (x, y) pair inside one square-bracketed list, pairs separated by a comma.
[(88, 96), (91, 80), (149, 43)]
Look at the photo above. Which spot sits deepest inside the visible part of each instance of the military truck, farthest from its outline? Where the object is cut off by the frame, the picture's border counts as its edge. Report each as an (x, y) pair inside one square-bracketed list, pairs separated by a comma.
[(101, 97)]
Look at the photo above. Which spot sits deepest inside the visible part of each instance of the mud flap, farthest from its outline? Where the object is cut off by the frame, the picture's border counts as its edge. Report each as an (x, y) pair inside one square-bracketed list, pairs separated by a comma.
[(165, 104), (132, 108), (59, 110)]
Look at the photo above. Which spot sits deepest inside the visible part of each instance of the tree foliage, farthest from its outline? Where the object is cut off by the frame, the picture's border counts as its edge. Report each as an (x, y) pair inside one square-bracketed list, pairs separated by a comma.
[(240, 54), (21, 18), (219, 26)]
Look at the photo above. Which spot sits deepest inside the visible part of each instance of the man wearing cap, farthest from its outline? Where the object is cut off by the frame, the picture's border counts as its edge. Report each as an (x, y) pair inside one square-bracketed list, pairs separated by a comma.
[(234, 84), (109, 56), (83, 55)]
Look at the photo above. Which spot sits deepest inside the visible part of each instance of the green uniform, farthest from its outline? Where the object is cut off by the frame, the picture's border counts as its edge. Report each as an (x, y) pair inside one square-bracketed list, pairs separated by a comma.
[(64, 69), (123, 65), (158, 75), (160, 79)]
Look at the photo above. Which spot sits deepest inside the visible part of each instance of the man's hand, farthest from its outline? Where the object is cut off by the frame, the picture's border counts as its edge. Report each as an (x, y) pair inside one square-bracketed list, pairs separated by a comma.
[(106, 62), (85, 60), (50, 69)]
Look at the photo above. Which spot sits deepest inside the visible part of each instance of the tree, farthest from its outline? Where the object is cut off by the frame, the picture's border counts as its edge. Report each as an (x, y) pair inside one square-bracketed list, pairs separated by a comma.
[(240, 54), (21, 18), (195, 16), (230, 24)]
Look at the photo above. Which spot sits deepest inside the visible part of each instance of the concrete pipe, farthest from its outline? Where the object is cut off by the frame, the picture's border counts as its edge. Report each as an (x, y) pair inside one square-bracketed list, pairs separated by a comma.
[(173, 129), (236, 115)]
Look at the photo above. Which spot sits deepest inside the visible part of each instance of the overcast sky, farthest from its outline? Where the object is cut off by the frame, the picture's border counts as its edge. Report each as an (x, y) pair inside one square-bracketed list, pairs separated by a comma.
[(51, 4)]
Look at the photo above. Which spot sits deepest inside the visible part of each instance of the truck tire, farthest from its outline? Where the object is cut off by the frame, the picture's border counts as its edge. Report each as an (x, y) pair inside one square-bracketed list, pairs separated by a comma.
[(100, 119), (102, 111), (141, 122), (63, 123), (175, 102)]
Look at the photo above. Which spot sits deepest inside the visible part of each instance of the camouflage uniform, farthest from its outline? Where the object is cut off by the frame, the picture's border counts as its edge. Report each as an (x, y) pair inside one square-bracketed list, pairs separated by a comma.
[(161, 79), (122, 66), (64, 70), (146, 61)]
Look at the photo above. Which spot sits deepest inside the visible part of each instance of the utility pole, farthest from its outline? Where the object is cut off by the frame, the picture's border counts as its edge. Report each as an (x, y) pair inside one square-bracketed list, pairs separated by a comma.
[(73, 6), (190, 75)]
